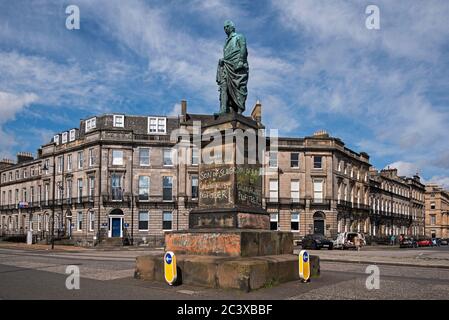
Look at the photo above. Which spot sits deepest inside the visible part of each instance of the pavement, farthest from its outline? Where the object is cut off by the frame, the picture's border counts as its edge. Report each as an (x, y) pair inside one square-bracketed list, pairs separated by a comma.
[(429, 257), (40, 274)]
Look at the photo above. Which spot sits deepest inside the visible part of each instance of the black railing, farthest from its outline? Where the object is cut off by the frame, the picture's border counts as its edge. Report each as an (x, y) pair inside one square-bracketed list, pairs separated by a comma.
[(320, 204), (285, 202)]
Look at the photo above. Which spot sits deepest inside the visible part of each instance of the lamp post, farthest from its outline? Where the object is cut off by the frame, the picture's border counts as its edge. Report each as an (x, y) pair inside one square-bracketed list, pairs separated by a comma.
[(45, 168)]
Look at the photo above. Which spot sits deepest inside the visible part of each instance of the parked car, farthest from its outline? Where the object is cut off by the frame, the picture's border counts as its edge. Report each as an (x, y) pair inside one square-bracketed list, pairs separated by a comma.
[(444, 242), (316, 241), (408, 242), (345, 240), (424, 243)]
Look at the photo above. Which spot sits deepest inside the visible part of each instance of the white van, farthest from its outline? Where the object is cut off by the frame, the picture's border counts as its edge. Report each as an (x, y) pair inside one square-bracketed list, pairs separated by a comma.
[(345, 240)]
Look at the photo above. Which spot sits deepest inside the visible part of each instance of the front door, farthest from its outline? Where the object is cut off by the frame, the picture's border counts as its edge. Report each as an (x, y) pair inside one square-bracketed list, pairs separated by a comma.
[(116, 226), (318, 227)]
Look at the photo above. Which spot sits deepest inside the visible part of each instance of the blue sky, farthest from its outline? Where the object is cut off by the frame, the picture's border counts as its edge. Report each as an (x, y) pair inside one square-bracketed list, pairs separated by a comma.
[(313, 64)]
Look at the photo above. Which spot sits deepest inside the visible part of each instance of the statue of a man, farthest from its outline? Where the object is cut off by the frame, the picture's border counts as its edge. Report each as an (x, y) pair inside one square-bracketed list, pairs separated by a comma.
[(232, 71)]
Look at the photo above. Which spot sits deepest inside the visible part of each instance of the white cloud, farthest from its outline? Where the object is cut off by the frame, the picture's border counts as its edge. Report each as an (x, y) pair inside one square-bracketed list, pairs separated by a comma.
[(10, 105), (404, 168), (442, 181), (276, 115), (380, 80), (176, 110)]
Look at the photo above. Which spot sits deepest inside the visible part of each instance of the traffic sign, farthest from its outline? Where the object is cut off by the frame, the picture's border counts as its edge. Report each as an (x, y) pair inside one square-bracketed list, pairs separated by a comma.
[(304, 265), (170, 267)]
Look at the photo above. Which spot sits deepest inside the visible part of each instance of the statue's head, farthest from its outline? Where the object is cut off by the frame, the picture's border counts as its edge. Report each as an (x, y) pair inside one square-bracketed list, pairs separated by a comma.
[(229, 27)]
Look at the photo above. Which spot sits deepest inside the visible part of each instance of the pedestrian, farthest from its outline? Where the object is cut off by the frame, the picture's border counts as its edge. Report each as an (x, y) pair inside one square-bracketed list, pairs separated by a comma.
[(357, 242)]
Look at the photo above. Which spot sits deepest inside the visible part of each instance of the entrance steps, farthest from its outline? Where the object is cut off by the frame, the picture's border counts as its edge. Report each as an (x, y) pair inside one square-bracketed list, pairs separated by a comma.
[(111, 243)]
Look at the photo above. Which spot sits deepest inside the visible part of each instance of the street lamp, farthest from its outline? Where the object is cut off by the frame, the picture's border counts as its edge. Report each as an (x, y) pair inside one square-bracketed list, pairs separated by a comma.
[(45, 168)]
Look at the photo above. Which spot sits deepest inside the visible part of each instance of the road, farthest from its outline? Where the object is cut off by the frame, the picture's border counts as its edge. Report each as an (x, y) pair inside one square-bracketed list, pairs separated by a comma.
[(40, 274)]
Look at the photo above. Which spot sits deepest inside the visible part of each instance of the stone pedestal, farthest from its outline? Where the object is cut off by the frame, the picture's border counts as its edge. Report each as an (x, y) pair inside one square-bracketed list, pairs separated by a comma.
[(229, 244)]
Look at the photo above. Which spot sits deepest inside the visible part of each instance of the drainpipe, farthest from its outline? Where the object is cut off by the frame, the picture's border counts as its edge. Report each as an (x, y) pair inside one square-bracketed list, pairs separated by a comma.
[(132, 195), (99, 195)]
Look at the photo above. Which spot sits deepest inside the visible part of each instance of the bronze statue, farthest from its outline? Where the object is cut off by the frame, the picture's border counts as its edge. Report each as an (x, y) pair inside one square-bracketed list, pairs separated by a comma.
[(232, 72)]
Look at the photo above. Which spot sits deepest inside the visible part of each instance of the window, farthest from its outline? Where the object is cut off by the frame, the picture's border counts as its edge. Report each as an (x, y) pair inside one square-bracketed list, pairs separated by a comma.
[(64, 137), (157, 125), (46, 193), (144, 156), (59, 191), (60, 164), (91, 220), (294, 160), (433, 219), (143, 220), (79, 190), (167, 218), (91, 188), (144, 188), (25, 173), (39, 222), (167, 186), (10, 176), (432, 205), (317, 162), (72, 135), (168, 161), (294, 189), (195, 156), (91, 157), (273, 221), (274, 190), (79, 221), (91, 124), (117, 157), (56, 139), (273, 160), (80, 159), (69, 162), (33, 171), (194, 187), (119, 121), (17, 175), (295, 221), (116, 187), (47, 165), (318, 190), (69, 191)]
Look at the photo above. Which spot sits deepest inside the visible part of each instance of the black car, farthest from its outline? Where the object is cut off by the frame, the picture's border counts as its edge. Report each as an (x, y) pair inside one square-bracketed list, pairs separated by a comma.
[(316, 242), (408, 243)]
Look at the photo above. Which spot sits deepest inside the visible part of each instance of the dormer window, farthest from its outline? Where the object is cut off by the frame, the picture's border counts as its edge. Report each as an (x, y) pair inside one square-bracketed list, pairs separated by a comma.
[(72, 135), (157, 125), (91, 124), (119, 121), (56, 139), (64, 137)]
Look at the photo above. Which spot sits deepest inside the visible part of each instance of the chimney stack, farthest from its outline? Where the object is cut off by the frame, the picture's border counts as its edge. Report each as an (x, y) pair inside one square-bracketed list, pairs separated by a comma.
[(24, 156), (256, 114), (183, 110), (4, 163)]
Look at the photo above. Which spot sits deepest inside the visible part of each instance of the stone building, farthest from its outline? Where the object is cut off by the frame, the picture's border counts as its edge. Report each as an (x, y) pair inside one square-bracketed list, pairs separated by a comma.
[(437, 212), (317, 185), (116, 179), (397, 204)]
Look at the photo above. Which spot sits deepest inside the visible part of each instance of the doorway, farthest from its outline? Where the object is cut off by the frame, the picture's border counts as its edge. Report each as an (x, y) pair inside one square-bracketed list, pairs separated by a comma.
[(318, 223), (115, 229)]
